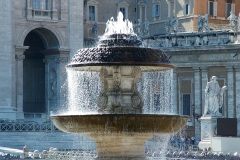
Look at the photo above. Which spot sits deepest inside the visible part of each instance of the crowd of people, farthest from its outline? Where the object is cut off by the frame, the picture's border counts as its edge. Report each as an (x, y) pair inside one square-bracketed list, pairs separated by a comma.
[(184, 143)]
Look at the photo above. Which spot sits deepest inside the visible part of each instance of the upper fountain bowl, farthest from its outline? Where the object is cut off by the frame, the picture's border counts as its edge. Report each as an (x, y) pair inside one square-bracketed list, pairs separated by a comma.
[(120, 50)]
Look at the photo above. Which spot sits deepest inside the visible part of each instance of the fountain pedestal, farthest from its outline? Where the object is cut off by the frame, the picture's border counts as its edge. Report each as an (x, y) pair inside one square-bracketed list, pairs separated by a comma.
[(121, 145)]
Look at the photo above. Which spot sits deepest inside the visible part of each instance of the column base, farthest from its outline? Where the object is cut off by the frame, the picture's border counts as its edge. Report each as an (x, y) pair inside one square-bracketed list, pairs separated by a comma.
[(205, 144), (7, 113), (20, 115)]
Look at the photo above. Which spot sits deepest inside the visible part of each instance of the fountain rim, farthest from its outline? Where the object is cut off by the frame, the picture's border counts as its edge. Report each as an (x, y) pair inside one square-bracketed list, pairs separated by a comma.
[(122, 114), (100, 64)]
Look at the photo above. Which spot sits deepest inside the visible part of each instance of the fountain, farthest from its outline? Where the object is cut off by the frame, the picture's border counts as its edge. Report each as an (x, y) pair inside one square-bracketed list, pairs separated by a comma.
[(120, 126)]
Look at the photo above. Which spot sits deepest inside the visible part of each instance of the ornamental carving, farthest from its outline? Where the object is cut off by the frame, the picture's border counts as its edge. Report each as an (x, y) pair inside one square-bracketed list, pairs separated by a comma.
[(102, 101), (136, 101)]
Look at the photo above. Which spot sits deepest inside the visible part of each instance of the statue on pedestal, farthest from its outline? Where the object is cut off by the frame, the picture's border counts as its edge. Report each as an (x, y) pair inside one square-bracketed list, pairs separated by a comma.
[(213, 97), (203, 23), (232, 21)]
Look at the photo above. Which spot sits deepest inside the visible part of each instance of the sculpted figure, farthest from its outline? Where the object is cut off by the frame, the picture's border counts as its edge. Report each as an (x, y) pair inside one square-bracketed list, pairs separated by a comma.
[(174, 24), (138, 27), (146, 28), (232, 20), (168, 25), (95, 30), (203, 23), (213, 97), (238, 21)]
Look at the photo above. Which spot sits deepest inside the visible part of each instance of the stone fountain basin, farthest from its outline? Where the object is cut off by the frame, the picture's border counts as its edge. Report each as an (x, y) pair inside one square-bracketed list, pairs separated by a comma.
[(117, 123)]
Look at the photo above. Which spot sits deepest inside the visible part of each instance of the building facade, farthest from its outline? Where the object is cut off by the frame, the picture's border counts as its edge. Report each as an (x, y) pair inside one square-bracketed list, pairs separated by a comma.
[(37, 39)]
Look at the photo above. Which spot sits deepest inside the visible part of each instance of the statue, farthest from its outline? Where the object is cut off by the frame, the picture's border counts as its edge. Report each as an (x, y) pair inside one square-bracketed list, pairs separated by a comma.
[(232, 21), (146, 28), (239, 21), (95, 30), (138, 28), (168, 25), (213, 97), (174, 24), (203, 23)]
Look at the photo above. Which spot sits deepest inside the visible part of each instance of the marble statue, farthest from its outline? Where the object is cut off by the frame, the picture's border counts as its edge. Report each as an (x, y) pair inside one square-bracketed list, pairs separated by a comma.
[(232, 20), (171, 24), (95, 30), (146, 28), (138, 27), (213, 97), (203, 23), (168, 25), (174, 24)]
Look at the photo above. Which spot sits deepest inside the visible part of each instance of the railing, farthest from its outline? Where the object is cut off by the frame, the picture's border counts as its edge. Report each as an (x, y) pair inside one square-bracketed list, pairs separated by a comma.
[(27, 127), (42, 13)]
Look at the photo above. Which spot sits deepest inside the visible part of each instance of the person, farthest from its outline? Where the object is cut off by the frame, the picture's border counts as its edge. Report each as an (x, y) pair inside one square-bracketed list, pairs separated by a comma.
[(213, 97)]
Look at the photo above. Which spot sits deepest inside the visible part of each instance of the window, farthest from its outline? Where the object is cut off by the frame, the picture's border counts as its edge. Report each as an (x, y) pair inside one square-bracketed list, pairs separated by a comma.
[(123, 10), (186, 9), (91, 13), (212, 8), (186, 104), (229, 7), (123, 7), (156, 10), (40, 4), (142, 10)]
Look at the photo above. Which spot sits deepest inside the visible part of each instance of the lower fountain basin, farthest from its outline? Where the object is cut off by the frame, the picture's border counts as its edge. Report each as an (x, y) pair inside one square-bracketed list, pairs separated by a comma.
[(110, 123), (120, 136)]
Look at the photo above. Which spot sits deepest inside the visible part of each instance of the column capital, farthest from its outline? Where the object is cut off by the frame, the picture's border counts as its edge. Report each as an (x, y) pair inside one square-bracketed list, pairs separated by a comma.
[(19, 57), (196, 68), (21, 49), (61, 59), (204, 68)]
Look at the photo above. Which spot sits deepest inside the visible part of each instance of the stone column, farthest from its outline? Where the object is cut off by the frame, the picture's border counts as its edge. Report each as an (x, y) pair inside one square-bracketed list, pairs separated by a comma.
[(175, 108), (230, 92), (204, 83), (54, 11), (29, 9), (197, 100), (237, 72), (61, 61), (19, 56)]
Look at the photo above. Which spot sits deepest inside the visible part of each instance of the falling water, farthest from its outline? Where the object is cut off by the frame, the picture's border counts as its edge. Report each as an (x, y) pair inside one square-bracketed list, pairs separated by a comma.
[(83, 90), (155, 88)]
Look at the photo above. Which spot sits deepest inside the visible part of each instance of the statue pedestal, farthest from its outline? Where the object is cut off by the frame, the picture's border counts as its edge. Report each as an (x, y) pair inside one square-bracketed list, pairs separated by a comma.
[(208, 130)]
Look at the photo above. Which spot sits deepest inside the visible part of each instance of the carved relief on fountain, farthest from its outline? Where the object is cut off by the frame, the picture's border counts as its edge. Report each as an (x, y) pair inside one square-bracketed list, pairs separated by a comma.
[(119, 94)]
